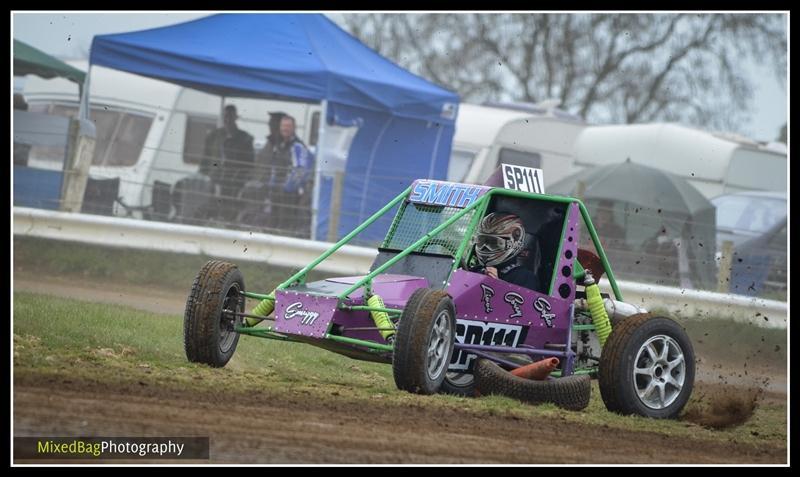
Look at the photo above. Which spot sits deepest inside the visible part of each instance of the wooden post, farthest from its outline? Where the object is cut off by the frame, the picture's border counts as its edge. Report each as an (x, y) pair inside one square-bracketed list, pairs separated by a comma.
[(725, 264), (580, 190), (336, 205), (80, 147)]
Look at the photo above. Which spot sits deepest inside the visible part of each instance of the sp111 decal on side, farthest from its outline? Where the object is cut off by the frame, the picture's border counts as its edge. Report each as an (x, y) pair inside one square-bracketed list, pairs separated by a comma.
[(307, 318), (482, 333), (525, 179)]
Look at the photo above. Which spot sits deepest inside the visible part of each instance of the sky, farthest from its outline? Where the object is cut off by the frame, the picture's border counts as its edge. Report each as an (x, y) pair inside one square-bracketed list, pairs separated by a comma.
[(69, 35)]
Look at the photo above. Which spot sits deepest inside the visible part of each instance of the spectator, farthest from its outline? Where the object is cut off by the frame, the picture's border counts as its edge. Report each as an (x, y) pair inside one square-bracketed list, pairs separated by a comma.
[(19, 102), (297, 186), (228, 159), (269, 168), (21, 150), (265, 184)]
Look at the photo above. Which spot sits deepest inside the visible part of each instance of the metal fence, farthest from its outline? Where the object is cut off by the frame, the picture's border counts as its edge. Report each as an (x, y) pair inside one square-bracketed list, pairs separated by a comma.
[(348, 260), (245, 197)]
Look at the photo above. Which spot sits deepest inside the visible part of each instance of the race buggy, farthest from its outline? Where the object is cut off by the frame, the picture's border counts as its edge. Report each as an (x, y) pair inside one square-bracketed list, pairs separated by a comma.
[(447, 329)]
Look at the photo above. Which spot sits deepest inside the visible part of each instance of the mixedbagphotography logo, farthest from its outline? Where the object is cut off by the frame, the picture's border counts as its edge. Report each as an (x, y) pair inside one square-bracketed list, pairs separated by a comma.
[(111, 447)]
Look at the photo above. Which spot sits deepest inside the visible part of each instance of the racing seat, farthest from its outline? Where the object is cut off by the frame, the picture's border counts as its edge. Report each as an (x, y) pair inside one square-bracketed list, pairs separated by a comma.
[(256, 208), (100, 195), (193, 198), (534, 261), (161, 206)]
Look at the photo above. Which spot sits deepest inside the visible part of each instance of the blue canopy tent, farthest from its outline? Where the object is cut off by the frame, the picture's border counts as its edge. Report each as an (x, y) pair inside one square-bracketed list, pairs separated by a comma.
[(405, 123)]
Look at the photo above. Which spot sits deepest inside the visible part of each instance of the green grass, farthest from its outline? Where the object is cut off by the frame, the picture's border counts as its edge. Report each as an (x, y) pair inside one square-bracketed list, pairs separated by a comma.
[(57, 338)]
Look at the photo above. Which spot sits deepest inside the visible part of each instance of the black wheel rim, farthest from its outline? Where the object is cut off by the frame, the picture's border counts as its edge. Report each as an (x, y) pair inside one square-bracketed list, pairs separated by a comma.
[(231, 304)]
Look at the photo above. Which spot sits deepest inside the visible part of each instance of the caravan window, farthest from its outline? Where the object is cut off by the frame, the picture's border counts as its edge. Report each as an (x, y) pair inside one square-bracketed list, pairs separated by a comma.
[(520, 158), (460, 162), (120, 134), (756, 170), (127, 144), (194, 140), (749, 213), (105, 121)]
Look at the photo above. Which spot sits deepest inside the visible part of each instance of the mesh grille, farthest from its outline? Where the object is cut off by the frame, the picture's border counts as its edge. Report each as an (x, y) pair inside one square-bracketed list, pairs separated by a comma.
[(416, 220)]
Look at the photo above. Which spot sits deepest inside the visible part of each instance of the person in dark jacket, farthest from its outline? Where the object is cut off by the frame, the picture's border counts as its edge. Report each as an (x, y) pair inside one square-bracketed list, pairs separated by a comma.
[(228, 159), (500, 250), (271, 167)]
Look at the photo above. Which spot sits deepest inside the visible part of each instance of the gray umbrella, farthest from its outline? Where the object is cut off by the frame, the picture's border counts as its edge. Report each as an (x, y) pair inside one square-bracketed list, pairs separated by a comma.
[(651, 198), (645, 186)]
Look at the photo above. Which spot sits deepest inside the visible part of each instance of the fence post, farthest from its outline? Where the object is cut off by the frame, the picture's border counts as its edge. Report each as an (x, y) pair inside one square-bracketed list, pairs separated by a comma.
[(336, 205), (725, 263), (80, 150), (580, 190)]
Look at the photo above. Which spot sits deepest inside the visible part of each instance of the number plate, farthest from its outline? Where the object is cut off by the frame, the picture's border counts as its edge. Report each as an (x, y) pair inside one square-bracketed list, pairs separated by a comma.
[(525, 179)]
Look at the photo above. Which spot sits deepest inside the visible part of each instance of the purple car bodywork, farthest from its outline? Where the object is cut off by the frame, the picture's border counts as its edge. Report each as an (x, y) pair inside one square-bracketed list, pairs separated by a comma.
[(492, 315)]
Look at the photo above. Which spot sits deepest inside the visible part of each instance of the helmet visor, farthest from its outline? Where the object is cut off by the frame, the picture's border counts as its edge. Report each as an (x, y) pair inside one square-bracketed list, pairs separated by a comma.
[(491, 243)]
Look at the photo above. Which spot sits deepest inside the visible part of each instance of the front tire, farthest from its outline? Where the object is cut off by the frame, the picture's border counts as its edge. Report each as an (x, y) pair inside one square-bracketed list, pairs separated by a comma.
[(208, 332), (647, 367), (424, 342)]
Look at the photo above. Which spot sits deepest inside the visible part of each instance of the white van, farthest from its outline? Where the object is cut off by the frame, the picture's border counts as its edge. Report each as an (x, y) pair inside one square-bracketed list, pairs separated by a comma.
[(538, 136), (714, 163), (151, 131)]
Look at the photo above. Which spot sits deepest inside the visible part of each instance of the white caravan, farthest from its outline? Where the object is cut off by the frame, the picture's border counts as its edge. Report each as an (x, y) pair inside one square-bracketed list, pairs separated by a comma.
[(150, 130), (714, 163), (538, 136), (560, 144)]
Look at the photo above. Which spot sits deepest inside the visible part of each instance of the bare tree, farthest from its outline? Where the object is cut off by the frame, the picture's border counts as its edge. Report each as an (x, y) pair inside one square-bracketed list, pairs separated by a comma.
[(605, 67)]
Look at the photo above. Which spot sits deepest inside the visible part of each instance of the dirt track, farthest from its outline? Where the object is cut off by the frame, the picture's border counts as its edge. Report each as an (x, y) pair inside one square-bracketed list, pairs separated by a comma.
[(293, 428), (298, 430)]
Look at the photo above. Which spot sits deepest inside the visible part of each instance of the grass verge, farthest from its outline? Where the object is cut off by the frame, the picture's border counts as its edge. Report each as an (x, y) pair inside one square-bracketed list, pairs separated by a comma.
[(170, 271)]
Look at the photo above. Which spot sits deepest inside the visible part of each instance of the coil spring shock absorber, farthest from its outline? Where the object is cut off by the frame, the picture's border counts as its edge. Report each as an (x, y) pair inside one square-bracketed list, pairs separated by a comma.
[(262, 309), (597, 309), (381, 318)]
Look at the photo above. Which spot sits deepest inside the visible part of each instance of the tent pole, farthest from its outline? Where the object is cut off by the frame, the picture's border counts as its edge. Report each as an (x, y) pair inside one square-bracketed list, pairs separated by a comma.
[(220, 121), (83, 106), (317, 170), (80, 151)]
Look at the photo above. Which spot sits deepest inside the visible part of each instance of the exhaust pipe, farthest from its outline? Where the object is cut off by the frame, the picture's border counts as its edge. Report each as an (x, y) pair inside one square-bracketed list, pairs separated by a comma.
[(539, 370)]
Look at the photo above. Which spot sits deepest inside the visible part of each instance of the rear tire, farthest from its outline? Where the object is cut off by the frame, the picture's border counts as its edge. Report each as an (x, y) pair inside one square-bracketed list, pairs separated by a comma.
[(570, 392), (424, 342), (647, 367), (458, 384), (208, 335)]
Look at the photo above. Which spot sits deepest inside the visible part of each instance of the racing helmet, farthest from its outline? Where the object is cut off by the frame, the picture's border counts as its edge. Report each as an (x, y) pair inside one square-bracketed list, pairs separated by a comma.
[(500, 238)]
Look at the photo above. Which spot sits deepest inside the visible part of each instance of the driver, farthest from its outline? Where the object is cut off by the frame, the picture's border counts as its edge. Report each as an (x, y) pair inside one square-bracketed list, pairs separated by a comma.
[(500, 250)]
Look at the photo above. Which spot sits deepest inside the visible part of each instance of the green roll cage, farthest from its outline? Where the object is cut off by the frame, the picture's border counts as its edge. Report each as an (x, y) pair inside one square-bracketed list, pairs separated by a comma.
[(479, 206)]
